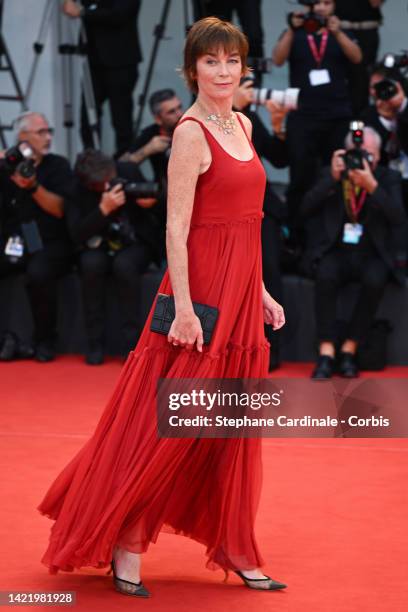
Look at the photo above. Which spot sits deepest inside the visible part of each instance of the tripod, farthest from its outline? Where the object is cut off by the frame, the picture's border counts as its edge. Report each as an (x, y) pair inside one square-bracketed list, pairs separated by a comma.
[(158, 34), (68, 50)]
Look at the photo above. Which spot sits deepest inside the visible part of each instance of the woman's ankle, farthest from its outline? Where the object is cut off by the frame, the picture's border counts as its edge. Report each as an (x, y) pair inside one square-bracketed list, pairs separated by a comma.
[(127, 564)]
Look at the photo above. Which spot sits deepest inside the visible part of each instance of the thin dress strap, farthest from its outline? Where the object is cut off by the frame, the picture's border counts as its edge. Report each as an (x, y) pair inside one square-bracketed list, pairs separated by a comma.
[(243, 127), (192, 119)]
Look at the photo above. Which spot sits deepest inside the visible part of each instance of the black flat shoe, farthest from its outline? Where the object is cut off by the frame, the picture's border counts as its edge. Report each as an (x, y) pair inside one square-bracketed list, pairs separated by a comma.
[(348, 365), (44, 351), (324, 368), (261, 584), (95, 356), (136, 589)]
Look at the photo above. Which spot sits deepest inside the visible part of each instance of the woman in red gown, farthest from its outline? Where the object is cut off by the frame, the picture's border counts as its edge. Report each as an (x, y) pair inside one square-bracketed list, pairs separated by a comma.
[(127, 484)]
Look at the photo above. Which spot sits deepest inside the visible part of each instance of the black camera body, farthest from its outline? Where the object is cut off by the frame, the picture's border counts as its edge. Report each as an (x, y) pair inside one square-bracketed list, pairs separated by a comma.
[(137, 189), (18, 159), (354, 158), (311, 21), (394, 60)]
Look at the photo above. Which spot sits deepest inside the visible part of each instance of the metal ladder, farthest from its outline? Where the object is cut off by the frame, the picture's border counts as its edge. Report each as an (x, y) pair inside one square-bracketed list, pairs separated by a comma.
[(6, 65)]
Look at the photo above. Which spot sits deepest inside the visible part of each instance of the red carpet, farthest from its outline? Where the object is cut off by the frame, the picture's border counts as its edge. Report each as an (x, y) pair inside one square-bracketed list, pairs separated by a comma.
[(332, 522)]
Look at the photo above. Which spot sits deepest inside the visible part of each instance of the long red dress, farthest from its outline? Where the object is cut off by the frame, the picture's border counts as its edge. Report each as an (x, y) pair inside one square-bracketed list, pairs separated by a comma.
[(127, 484)]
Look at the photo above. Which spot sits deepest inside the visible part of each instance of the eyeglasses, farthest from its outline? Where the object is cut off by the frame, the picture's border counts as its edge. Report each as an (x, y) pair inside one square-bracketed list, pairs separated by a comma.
[(42, 132)]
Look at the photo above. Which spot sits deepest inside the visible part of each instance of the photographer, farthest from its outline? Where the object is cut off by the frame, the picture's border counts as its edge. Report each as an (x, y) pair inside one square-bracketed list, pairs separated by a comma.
[(319, 53), (389, 116), (363, 19), (114, 53), (271, 147), (33, 232), (154, 142), (117, 229), (352, 212)]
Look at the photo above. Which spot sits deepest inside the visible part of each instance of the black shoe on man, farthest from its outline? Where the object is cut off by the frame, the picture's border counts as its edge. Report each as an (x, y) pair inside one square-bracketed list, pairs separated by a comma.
[(324, 368), (95, 354), (348, 365), (9, 344), (44, 351)]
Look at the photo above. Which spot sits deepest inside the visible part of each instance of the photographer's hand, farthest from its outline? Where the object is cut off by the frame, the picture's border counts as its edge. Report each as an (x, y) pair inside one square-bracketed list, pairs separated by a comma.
[(146, 202), (23, 183), (364, 178), (71, 9), (278, 113), (337, 164), (350, 49), (398, 101), (333, 25), (158, 144), (50, 202), (112, 199), (243, 95)]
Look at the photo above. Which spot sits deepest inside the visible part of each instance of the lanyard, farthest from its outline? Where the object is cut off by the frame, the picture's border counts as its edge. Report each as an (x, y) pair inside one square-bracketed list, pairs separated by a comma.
[(357, 202), (318, 54), (354, 202)]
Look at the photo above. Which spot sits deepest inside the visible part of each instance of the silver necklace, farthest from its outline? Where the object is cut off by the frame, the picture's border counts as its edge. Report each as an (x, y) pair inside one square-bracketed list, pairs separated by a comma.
[(225, 124)]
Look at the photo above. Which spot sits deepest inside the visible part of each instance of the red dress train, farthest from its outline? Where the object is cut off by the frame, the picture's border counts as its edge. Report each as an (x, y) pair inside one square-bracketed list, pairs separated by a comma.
[(127, 484)]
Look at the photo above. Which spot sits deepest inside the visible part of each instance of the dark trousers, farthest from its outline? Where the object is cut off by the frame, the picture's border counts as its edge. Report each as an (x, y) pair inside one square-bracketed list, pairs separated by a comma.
[(271, 260), (311, 142), (115, 85), (249, 15), (337, 268), (368, 41), (127, 267), (43, 269)]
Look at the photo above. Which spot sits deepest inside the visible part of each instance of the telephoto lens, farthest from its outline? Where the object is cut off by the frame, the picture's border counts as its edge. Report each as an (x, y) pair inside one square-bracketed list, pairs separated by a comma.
[(385, 89)]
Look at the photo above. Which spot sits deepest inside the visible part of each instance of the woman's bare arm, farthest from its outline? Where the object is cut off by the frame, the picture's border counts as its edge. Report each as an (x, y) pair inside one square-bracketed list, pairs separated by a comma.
[(283, 47), (186, 160)]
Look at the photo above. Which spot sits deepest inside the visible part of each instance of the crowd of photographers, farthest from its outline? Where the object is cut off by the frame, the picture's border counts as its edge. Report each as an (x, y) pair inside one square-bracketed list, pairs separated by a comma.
[(341, 127)]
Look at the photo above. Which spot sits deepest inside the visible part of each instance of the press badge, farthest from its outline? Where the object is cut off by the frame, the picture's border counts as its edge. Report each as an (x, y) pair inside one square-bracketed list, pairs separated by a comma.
[(319, 77), (14, 247), (352, 233)]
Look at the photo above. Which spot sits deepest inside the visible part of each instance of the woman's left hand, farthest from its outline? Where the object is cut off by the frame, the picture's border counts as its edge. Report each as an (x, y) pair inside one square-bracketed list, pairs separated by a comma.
[(273, 312)]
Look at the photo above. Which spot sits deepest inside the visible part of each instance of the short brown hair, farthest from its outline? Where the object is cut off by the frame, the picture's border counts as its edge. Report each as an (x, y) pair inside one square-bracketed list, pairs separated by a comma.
[(206, 36)]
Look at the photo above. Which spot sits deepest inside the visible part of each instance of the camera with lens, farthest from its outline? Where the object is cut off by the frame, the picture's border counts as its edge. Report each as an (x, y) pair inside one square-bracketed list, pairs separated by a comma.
[(286, 97), (393, 60), (312, 22), (138, 189), (120, 234), (19, 159), (385, 89), (354, 158)]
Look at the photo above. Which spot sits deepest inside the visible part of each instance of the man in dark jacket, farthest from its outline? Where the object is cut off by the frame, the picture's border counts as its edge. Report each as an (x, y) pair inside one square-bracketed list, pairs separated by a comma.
[(390, 119), (352, 218), (116, 233), (113, 52)]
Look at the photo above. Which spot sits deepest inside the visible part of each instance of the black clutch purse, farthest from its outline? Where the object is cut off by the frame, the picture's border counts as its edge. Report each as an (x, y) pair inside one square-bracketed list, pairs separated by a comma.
[(165, 312)]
